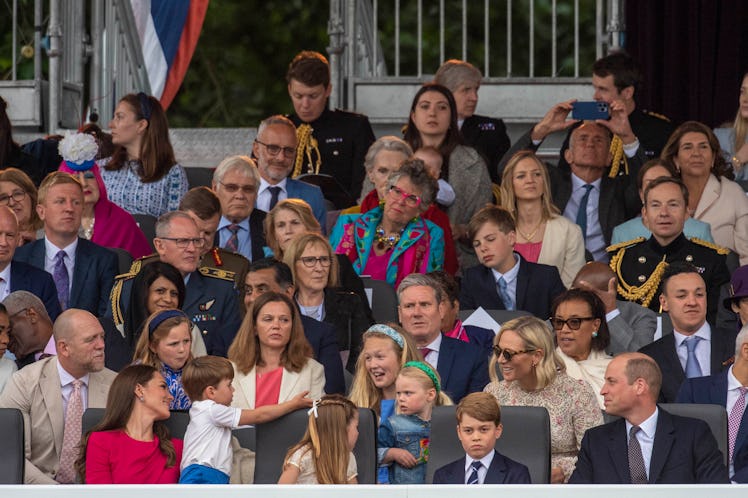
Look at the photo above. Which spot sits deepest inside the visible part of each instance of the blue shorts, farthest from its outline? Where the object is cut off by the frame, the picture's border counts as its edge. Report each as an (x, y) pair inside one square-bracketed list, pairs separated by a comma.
[(200, 474)]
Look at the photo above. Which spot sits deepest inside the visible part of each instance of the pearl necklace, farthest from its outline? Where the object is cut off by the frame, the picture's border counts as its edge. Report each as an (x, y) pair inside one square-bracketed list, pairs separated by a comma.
[(383, 240)]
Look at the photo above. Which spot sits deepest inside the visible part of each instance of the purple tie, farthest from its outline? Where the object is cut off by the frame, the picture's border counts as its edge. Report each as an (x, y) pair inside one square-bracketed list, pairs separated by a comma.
[(233, 243), (733, 421), (62, 280)]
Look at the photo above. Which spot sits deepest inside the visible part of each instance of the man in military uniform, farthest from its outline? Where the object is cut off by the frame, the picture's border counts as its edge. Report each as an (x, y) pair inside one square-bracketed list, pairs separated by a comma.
[(330, 142), (210, 299), (486, 135), (639, 264)]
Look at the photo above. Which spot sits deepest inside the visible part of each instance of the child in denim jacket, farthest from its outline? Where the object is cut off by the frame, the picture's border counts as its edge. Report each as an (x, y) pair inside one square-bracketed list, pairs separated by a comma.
[(403, 440)]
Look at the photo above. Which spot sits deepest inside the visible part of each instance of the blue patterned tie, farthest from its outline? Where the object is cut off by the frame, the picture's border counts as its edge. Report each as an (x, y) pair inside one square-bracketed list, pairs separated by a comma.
[(274, 192), (693, 369), (582, 213), (504, 294), (233, 243), (62, 280), (473, 477)]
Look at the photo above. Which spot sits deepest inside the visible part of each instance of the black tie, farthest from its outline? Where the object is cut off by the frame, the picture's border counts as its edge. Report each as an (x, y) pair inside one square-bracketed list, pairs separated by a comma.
[(274, 192)]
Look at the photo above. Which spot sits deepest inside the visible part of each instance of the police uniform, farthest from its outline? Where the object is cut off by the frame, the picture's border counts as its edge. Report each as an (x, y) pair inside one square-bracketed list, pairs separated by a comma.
[(640, 263), (487, 136), (342, 139), (210, 302)]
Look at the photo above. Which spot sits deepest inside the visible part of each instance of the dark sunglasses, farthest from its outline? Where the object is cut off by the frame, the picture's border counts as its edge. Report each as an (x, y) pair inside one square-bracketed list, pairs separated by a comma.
[(508, 354), (573, 323)]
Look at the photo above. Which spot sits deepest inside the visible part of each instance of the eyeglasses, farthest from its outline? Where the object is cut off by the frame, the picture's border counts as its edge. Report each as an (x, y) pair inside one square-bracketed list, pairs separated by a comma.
[(507, 354), (183, 243), (17, 196), (573, 323), (233, 188), (411, 200), (311, 261), (274, 150)]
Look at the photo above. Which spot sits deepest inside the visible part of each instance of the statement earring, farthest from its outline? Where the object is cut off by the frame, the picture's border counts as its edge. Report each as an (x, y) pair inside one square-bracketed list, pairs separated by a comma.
[(594, 334)]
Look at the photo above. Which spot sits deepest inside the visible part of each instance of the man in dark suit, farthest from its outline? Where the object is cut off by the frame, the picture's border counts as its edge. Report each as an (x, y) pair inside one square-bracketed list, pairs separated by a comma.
[(271, 275), (486, 135), (275, 150), (463, 367), (694, 349), (210, 299), (505, 280), (728, 389), (240, 229), (647, 445), (83, 272)]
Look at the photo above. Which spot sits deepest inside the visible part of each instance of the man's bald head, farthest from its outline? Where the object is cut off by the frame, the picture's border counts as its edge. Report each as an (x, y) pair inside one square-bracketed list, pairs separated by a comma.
[(80, 342), (596, 274)]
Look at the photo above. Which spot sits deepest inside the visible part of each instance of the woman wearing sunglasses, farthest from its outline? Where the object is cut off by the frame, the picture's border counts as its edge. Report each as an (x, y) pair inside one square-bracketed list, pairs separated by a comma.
[(104, 222), (393, 240), (535, 375), (582, 335), (315, 274)]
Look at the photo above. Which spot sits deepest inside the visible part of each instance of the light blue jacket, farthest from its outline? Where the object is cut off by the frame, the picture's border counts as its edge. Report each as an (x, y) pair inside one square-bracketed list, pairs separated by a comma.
[(635, 228)]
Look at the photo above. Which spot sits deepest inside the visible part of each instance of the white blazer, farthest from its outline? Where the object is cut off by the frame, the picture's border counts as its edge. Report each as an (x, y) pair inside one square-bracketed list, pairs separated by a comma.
[(724, 206), (563, 247), (311, 378)]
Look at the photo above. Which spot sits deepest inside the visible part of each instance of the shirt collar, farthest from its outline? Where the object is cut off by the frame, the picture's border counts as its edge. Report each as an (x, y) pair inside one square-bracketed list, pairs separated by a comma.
[(732, 382), (577, 183), (264, 185), (485, 461), (435, 344), (5, 274), (648, 427), (242, 224), (705, 332), (509, 276), (66, 378), (52, 249)]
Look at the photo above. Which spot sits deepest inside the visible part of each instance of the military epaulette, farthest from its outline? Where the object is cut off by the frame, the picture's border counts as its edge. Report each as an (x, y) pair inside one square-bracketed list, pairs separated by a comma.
[(720, 250), (657, 115), (621, 245), (218, 273)]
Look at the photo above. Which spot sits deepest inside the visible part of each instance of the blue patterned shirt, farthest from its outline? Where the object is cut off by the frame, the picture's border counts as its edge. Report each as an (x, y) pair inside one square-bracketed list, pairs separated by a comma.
[(174, 381)]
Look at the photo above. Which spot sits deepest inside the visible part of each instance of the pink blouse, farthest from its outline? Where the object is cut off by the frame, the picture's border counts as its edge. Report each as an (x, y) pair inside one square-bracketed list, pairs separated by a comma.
[(530, 250), (376, 266), (268, 386)]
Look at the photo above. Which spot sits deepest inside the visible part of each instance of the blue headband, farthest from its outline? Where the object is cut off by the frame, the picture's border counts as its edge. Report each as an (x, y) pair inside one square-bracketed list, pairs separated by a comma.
[(161, 318), (389, 332)]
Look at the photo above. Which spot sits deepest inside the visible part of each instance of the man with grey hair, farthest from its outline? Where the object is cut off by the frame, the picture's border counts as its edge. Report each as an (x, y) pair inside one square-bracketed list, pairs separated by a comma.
[(31, 328), (727, 388), (210, 300), (463, 367), (486, 135), (275, 150), (240, 229), (53, 393)]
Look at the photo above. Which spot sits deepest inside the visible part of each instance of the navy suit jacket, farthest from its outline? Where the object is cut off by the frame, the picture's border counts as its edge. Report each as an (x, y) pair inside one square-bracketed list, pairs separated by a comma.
[(537, 286), (503, 470), (663, 352), (312, 194), (712, 390), (462, 367), (25, 277), (483, 338), (93, 275), (323, 338), (684, 452)]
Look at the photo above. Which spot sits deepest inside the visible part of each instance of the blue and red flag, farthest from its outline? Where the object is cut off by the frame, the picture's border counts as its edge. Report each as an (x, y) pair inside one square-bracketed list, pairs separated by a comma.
[(168, 31)]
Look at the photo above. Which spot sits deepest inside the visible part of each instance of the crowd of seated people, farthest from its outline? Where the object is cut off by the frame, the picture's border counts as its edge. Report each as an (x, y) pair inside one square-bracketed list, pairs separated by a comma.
[(594, 288)]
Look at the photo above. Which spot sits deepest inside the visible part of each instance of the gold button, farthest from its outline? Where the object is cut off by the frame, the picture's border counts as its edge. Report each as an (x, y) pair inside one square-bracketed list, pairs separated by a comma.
[(642, 259), (642, 278)]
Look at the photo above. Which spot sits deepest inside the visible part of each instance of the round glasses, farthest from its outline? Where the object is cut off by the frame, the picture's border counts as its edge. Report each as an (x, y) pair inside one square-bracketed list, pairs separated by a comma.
[(16, 195), (311, 261)]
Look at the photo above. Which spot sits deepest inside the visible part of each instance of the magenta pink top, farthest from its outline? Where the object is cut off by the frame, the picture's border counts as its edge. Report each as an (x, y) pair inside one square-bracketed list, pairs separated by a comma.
[(113, 457), (376, 266), (530, 251), (268, 387)]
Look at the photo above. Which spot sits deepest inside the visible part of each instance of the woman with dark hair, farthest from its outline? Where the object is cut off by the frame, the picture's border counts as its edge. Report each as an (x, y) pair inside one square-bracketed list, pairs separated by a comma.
[(131, 444), (433, 123), (11, 155), (19, 193), (582, 335), (142, 176), (693, 152), (271, 356)]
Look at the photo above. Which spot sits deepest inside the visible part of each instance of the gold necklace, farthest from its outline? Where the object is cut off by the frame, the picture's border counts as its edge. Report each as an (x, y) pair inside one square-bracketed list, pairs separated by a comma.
[(528, 238)]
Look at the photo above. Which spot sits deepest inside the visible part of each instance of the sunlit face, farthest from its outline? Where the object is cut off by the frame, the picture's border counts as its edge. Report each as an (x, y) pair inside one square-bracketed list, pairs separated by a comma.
[(184, 259), (520, 367), (4, 333), (62, 210), (619, 397), (352, 432), (743, 100), (236, 206), (478, 437), (412, 397), (10, 237), (23, 207), (651, 174), (174, 349), (494, 248), (156, 396), (695, 156), (684, 299), (308, 101), (207, 229), (90, 187), (397, 208), (313, 278), (385, 162), (432, 115), (273, 325), (126, 128), (420, 313), (576, 344), (162, 295), (605, 89), (381, 360), (287, 225), (274, 168), (665, 211), (223, 393), (84, 349), (527, 180), (466, 99), (589, 147)]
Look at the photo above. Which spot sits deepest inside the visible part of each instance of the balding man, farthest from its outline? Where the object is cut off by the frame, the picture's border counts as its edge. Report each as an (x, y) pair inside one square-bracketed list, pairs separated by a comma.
[(16, 275), (53, 393), (31, 328), (647, 445), (631, 326)]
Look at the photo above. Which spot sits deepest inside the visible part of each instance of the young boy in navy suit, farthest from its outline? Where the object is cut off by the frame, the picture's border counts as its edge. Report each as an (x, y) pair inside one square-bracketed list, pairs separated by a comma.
[(478, 427)]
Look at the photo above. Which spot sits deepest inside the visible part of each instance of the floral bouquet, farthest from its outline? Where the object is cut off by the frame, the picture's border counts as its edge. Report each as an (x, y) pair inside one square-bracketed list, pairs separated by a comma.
[(78, 150)]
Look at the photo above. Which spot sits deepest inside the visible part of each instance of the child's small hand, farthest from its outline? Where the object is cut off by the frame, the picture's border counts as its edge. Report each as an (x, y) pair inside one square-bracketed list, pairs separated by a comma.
[(301, 400), (403, 457)]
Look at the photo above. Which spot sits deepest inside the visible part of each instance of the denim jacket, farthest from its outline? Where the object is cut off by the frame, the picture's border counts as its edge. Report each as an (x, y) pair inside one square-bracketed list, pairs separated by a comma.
[(411, 433)]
